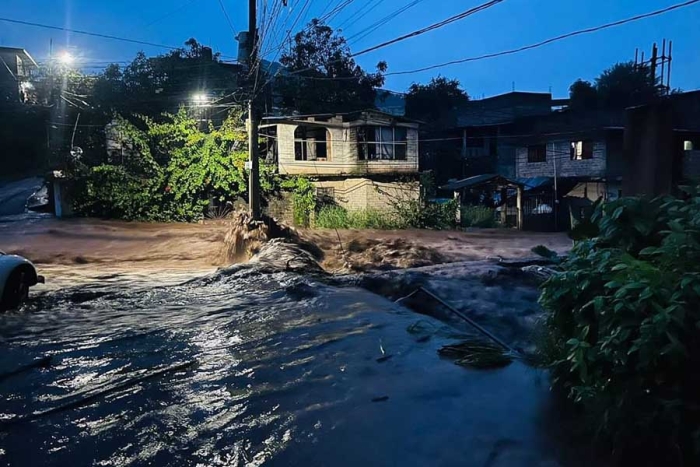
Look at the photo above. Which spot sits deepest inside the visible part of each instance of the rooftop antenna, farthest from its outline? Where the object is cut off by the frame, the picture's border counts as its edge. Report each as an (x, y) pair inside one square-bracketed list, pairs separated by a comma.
[(513, 86)]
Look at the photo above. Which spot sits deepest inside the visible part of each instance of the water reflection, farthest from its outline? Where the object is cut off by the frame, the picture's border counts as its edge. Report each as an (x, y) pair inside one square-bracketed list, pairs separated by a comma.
[(263, 376)]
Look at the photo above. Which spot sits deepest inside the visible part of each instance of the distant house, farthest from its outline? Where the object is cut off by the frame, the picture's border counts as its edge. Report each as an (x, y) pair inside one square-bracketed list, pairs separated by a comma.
[(480, 141), (360, 160), (16, 68), (582, 151)]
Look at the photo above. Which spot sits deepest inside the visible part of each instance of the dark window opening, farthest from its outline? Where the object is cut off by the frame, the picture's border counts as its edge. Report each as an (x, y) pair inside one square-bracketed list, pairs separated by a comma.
[(268, 146), (581, 150), (382, 143), (537, 153), (311, 144)]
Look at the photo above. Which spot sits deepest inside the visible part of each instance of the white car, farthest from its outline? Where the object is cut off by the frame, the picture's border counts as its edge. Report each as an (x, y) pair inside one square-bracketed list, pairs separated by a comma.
[(17, 275)]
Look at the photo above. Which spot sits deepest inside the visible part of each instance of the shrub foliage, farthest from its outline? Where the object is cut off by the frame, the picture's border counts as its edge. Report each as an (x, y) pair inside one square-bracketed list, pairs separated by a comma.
[(624, 323)]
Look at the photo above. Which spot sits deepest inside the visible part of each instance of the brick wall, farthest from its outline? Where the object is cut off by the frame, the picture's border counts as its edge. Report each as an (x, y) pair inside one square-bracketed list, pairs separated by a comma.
[(356, 194), (566, 167)]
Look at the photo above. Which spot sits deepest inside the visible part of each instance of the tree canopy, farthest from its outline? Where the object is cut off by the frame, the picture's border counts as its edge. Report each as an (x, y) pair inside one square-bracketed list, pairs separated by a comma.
[(153, 85), (436, 102), (323, 77), (622, 85)]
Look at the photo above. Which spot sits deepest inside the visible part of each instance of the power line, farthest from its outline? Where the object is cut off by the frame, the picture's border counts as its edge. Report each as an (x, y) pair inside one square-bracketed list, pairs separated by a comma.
[(432, 27), (168, 15), (228, 18), (373, 27), (87, 33), (359, 11), (549, 41)]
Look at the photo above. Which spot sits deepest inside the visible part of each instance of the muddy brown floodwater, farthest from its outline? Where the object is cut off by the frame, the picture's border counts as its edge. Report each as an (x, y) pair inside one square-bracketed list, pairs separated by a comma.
[(251, 365)]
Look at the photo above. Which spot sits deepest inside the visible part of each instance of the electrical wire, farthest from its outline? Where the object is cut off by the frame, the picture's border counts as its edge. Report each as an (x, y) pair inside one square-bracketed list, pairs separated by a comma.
[(228, 18), (87, 33), (551, 40), (433, 27), (359, 11), (373, 27)]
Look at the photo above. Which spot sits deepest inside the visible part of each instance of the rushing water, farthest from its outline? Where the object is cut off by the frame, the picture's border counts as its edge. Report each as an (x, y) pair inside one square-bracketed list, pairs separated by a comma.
[(251, 368)]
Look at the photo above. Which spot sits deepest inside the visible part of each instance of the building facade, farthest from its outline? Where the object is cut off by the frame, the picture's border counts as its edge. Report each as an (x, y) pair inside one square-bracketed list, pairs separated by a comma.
[(16, 68), (362, 160)]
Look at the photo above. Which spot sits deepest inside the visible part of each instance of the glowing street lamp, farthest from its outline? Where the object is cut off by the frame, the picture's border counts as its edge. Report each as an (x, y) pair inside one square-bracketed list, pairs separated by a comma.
[(66, 58), (200, 99)]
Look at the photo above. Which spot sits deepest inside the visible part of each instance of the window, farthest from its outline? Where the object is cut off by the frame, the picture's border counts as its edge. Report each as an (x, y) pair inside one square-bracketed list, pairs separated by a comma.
[(382, 143), (537, 153), (581, 150), (311, 143), (688, 145)]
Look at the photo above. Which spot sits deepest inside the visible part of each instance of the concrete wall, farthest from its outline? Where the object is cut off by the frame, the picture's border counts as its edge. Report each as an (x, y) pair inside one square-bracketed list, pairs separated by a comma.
[(356, 194), (595, 167), (343, 154)]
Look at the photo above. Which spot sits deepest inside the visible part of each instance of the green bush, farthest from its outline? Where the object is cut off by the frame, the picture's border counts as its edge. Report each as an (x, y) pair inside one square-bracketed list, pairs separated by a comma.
[(336, 217), (624, 327), (478, 216), (419, 214), (173, 172)]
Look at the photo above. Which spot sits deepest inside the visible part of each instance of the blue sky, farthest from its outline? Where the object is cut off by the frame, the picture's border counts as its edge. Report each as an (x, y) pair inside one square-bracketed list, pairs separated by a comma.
[(510, 24)]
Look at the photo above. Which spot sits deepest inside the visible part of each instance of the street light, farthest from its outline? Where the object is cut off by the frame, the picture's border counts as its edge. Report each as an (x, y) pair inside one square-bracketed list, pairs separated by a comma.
[(66, 58), (200, 99)]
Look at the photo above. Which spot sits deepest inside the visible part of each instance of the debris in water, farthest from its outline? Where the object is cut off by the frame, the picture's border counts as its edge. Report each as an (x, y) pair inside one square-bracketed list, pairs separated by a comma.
[(477, 353)]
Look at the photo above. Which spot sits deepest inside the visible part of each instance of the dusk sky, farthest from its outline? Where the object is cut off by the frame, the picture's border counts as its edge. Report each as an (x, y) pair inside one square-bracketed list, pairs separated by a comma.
[(510, 24)]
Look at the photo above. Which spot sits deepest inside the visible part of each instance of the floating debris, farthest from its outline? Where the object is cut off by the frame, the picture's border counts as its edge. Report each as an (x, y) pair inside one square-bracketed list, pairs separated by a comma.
[(478, 354)]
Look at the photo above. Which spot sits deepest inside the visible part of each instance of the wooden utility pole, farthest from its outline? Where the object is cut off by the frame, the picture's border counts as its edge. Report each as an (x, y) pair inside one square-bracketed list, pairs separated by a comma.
[(254, 182)]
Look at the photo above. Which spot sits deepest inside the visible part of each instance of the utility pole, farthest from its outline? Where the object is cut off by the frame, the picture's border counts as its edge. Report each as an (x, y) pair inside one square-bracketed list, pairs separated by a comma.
[(254, 182)]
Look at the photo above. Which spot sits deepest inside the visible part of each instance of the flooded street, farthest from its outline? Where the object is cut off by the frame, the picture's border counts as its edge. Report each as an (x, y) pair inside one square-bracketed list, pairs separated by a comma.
[(251, 368), (138, 352)]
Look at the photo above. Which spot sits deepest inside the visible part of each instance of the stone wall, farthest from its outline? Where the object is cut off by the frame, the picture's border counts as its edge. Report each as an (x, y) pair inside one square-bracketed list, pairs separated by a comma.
[(356, 194), (595, 167)]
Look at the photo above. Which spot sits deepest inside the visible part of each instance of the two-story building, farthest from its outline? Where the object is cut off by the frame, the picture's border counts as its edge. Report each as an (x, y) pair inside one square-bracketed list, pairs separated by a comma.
[(16, 68), (360, 160), (582, 151)]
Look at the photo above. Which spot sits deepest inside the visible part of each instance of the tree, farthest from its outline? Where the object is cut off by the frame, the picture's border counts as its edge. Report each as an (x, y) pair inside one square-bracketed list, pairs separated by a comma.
[(322, 75), (625, 84), (583, 95), (153, 85), (436, 102), (622, 85)]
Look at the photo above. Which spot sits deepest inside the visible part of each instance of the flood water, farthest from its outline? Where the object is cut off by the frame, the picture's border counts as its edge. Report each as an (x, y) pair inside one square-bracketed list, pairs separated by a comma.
[(243, 368)]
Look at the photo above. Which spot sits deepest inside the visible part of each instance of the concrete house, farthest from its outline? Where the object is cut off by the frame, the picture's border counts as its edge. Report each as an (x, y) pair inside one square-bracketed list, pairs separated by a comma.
[(582, 151), (360, 160), (16, 68), (479, 142)]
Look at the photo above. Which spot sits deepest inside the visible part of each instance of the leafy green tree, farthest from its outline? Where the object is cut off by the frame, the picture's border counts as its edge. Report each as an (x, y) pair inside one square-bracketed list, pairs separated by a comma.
[(436, 102), (323, 77), (174, 170)]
